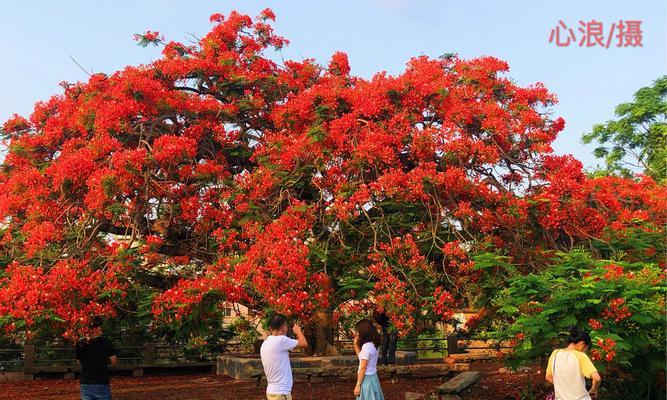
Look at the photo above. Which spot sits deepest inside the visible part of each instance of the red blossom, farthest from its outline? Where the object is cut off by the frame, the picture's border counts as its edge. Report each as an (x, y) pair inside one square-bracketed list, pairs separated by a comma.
[(607, 349), (149, 37), (594, 324), (617, 311), (262, 183)]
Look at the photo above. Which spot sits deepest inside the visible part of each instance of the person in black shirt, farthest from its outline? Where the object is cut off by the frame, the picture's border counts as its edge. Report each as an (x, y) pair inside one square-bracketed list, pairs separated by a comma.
[(94, 354), (389, 338)]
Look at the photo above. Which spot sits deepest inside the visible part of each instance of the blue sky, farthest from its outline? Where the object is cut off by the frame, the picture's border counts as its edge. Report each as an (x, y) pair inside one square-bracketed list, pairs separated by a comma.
[(38, 38)]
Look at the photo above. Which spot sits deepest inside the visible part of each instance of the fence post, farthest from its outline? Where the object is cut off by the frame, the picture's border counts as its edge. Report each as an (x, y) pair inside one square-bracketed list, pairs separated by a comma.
[(28, 361), (452, 344), (149, 353)]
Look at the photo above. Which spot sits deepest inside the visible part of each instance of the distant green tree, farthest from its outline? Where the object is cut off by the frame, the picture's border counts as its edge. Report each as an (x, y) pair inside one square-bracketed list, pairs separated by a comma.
[(637, 139)]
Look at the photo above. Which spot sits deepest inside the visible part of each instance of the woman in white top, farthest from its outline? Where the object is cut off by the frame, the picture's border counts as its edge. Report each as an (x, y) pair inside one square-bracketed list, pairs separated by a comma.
[(366, 340), (568, 368)]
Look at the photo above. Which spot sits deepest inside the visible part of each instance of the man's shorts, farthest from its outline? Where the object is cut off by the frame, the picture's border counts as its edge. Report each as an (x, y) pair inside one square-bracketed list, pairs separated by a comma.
[(270, 396)]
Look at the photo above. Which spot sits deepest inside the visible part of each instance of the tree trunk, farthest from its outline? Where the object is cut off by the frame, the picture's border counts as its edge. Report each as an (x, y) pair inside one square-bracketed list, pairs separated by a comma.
[(320, 335)]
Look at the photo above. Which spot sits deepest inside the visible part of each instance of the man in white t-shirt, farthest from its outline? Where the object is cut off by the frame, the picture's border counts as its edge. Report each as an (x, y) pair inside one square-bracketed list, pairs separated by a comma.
[(275, 358)]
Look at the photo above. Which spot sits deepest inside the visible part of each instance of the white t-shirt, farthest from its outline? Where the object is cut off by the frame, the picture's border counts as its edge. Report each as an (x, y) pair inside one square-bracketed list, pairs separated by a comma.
[(275, 359), (569, 368), (369, 352)]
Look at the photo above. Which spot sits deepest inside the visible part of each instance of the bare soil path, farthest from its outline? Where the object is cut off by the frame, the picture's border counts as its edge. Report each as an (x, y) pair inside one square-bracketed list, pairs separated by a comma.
[(491, 386)]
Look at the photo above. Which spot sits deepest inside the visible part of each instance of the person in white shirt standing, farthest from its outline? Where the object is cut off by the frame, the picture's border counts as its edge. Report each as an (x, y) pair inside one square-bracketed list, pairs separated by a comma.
[(366, 340), (568, 368), (275, 358)]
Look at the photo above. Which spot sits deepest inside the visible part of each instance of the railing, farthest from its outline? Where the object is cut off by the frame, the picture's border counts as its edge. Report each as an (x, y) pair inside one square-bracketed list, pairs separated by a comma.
[(32, 360), (403, 344), (11, 359), (450, 344)]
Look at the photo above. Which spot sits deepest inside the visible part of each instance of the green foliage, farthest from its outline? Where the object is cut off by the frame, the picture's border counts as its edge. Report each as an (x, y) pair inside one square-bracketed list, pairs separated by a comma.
[(245, 332), (637, 244), (578, 290), (638, 137), (494, 270)]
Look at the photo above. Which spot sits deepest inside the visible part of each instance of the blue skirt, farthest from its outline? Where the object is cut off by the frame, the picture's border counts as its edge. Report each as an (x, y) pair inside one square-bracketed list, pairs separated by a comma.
[(370, 388)]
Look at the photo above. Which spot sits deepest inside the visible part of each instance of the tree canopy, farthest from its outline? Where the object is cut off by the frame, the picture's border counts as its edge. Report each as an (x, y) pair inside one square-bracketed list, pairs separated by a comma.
[(216, 174), (637, 140)]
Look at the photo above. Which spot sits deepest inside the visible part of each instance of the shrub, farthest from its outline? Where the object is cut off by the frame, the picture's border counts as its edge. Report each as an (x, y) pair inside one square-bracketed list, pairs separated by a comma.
[(622, 304)]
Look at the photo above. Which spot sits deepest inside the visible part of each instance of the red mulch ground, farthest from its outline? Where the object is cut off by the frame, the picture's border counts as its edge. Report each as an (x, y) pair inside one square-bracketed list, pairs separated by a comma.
[(492, 386)]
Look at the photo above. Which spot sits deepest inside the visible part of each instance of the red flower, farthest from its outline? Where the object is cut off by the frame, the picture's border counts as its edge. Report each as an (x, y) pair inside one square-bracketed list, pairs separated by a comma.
[(594, 324), (596, 355), (617, 310), (339, 64), (267, 13), (149, 37), (613, 272), (608, 347)]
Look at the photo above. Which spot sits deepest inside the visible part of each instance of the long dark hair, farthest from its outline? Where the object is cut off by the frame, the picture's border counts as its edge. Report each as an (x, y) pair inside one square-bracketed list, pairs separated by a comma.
[(367, 332), (577, 336)]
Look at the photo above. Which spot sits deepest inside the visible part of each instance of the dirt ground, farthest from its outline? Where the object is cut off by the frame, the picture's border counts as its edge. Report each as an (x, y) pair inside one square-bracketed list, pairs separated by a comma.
[(492, 386)]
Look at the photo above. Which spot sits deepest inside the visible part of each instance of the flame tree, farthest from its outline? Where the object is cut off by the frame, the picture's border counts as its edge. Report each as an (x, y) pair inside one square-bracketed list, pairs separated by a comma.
[(215, 174)]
